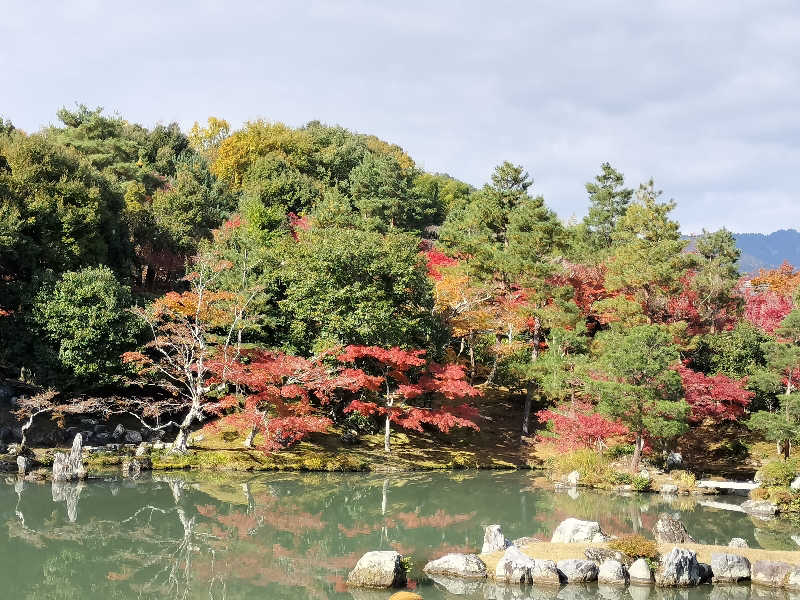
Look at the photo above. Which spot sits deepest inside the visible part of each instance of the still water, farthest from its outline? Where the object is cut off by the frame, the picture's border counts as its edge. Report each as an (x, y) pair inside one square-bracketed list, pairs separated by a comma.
[(295, 536)]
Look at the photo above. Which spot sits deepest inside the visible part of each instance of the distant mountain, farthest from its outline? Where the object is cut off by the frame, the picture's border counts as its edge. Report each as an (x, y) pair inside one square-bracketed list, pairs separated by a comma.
[(760, 251)]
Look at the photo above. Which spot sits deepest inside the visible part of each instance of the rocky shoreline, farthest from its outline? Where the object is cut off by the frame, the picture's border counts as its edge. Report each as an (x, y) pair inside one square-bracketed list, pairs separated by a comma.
[(506, 568)]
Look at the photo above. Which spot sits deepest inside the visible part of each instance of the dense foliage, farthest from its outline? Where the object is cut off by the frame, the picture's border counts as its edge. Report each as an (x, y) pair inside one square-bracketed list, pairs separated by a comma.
[(286, 280)]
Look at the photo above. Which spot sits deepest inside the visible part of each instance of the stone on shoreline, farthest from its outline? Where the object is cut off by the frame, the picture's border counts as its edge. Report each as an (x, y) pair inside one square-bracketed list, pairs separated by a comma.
[(133, 467), (612, 572), (577, 570), (574, 530), (679, 568), (598, 555), (494, 540), (467, 566), (69, 467), (545, 572), (671, 530), (514, 567), (378, 569), (669, 488), (729, 568), (640, 572)]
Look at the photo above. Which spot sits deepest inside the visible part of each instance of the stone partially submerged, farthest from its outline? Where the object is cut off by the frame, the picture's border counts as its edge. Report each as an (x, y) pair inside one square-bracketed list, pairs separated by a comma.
[(574, 530), (378, 569), (771, 573), (640, 572), (466, 566), (69, 467), (577, 570), (514, 567), (679, 568), (729, 568), (612, 572)]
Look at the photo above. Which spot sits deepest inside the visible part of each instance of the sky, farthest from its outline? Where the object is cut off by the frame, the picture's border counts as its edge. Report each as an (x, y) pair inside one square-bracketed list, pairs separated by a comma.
[(704, 97)]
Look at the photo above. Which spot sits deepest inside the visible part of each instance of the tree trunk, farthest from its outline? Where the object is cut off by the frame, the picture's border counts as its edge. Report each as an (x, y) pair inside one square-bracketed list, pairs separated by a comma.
[(493, 372), (248, 442), (386, 432), (526, 411), (180, 445), (637, 453)]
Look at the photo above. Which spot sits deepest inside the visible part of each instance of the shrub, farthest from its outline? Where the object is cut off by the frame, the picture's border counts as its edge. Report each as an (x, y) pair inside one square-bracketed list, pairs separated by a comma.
[(622, 478), (640, 484), (759, 493), (593, 466), (683, 479), (778, 473), (619, 450), (635, 546)]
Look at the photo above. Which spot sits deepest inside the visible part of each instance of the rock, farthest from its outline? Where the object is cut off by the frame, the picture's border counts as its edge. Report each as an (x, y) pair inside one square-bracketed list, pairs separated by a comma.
[(494, 540), (133, 467), (514, 567), (738, 543), (69, 467), (405, 596), (574, 530), (545, 572), (143, 449), (23, 465), (119, 433), (674, 460), (378, 569), (706, 573), (612, 572), (669, 488), (795, 485), (640, 572), (770, 573), (599, 555), (112, 447), (133, 437), (102, 438), (159, 445), (679, 568), (573, 478), (793, 583), (467, 566), (760, 508), (670, 530), (644, 474), (729, 568), (577, 570), (88, 422)]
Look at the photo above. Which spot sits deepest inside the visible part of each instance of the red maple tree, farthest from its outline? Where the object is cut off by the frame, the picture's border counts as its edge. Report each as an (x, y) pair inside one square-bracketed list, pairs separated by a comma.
[(576, 425), (389, 377), (715, 397), (765, 308)]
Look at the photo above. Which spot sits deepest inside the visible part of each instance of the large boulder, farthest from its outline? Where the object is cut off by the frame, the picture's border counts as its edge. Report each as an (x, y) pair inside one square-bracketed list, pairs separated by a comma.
[(670, 530), (467, 566), (494, 540), (760, 508), (577, 570), (378, 569), (514, 567), (729, 568), (612, 572), (679, 568), (770, 573), (69, 467), (545, 572), (640, 572), (574, 530), (674, 460), (132, 437)]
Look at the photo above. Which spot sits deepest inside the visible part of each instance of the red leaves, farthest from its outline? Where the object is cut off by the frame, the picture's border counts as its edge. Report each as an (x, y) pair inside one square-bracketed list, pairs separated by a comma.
[(577, 426), (715, 397), (436, 260), (766, 309)]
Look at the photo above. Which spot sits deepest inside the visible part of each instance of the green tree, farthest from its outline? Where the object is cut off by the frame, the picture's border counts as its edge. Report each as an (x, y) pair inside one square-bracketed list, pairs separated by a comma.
[(608, 201), (357, 287), (642, 390), (716, 276), (84, 319)]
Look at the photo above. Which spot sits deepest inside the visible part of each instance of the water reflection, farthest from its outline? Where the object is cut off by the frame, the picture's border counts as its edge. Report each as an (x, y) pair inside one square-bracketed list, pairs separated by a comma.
[(184, 535)]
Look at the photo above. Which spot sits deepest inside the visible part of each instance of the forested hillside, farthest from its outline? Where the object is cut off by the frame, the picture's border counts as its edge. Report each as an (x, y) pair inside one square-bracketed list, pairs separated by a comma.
[(285, 281)]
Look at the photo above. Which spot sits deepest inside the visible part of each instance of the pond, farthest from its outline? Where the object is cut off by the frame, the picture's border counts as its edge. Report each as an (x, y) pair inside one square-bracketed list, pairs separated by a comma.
[(296, 535)]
